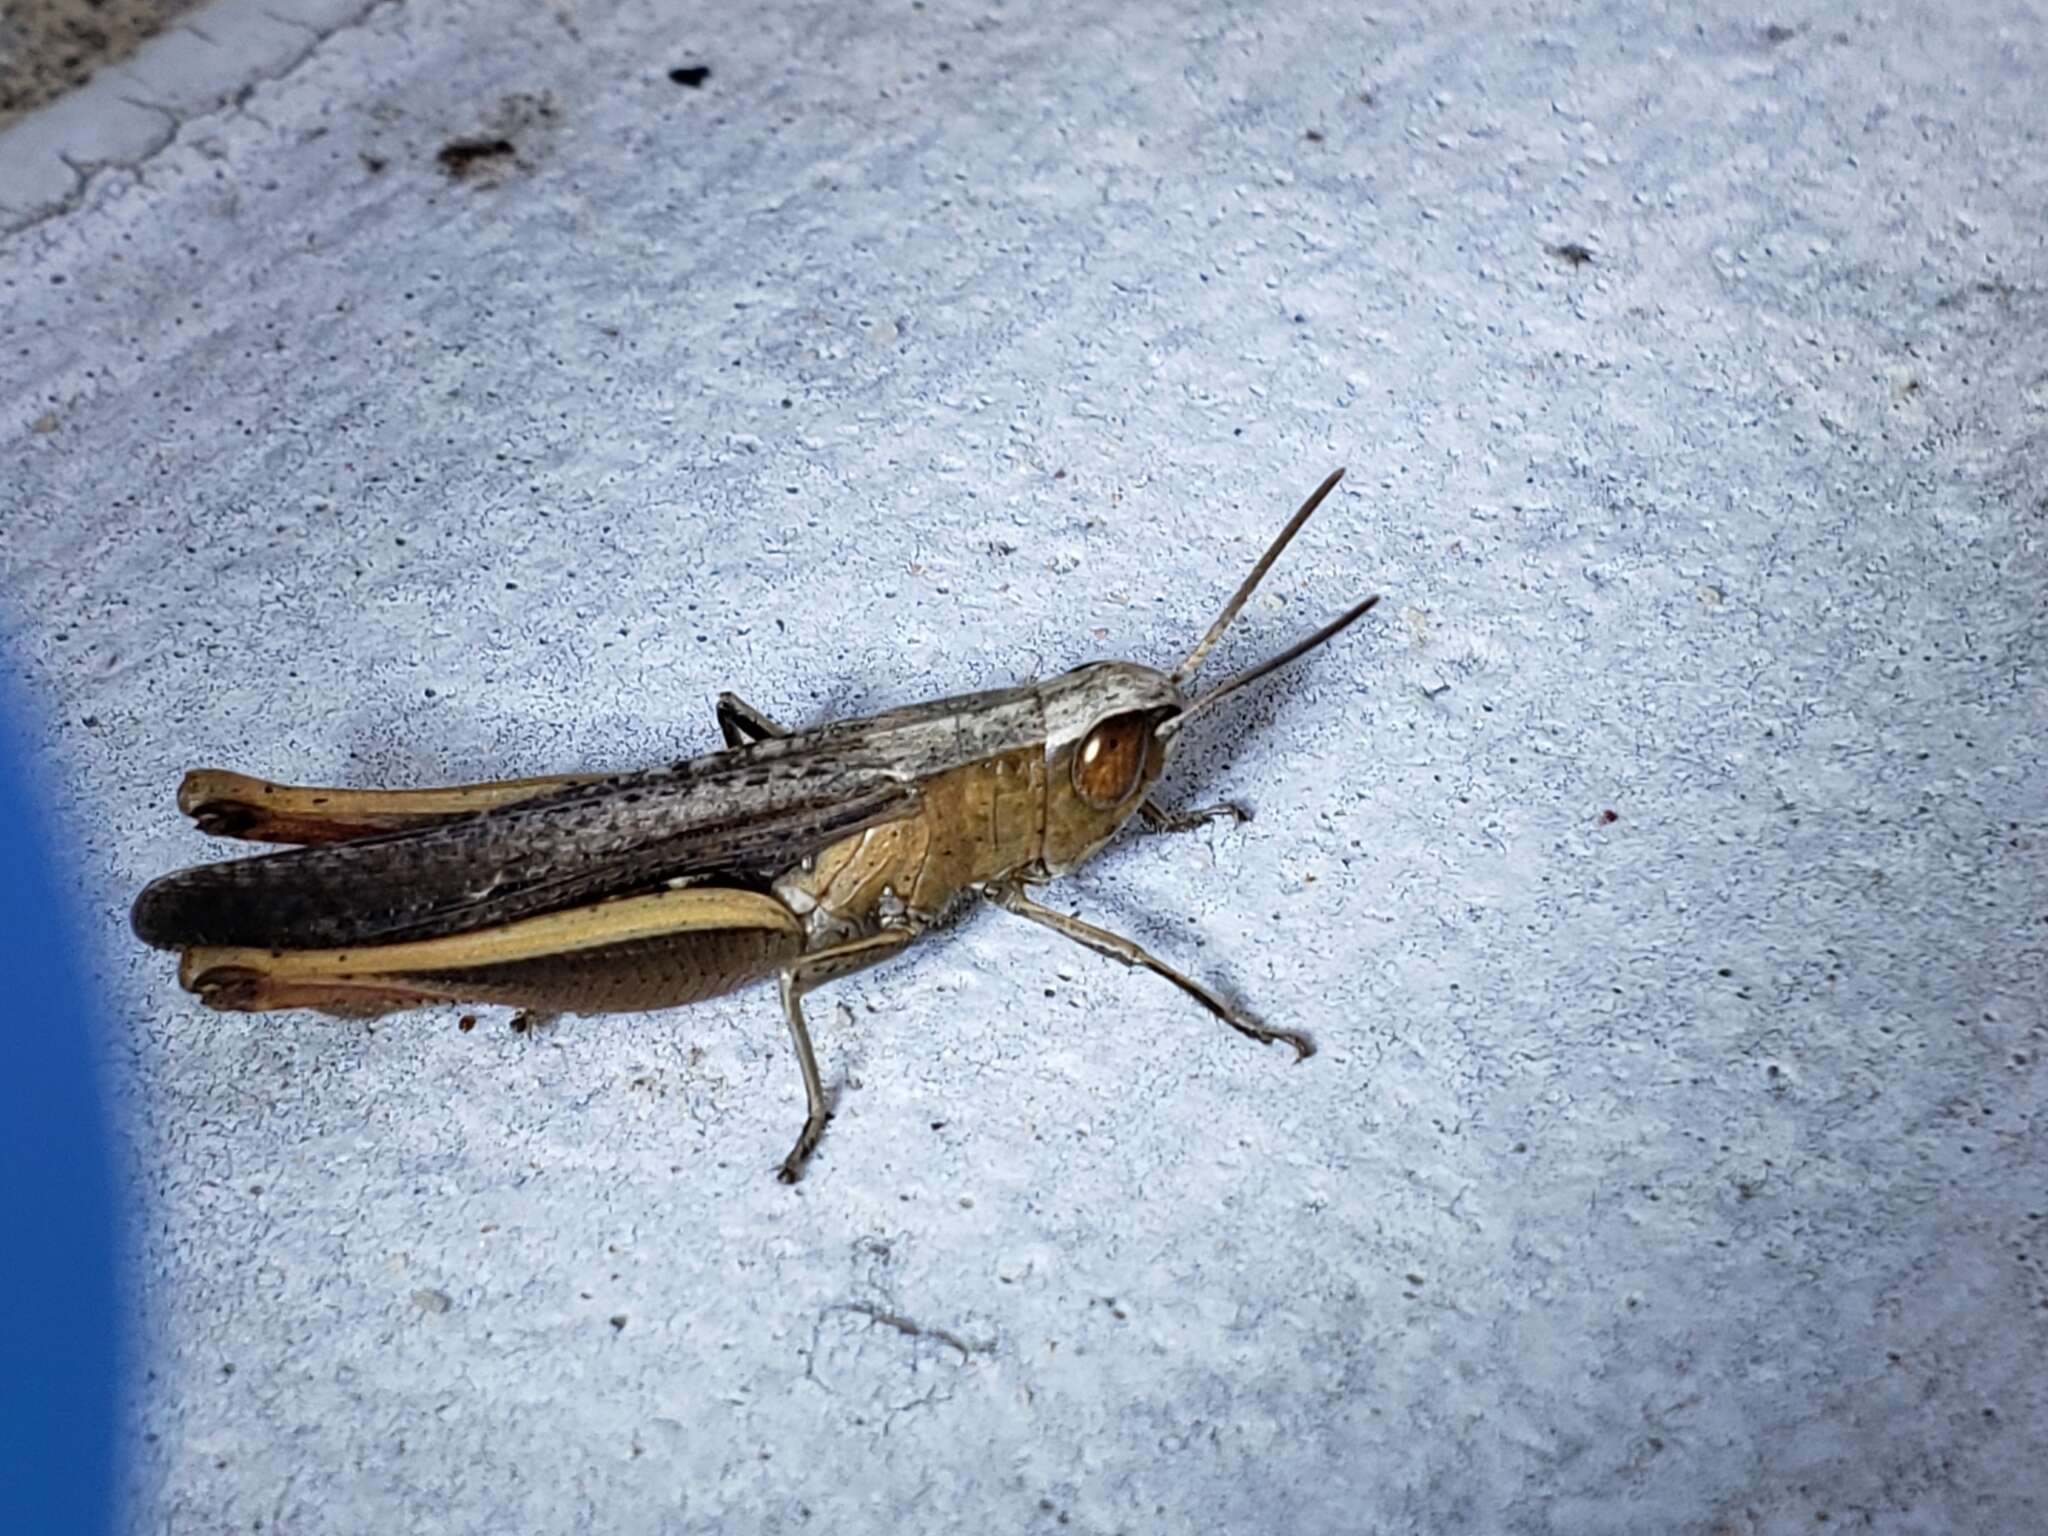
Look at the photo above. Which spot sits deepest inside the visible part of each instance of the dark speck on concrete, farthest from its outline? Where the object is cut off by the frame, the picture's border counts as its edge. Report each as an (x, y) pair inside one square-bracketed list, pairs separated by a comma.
[(461, 158)]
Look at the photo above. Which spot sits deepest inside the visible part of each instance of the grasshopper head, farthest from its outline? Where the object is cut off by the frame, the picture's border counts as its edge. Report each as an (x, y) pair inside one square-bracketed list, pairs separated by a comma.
[(1111, 726), (1102, 752)]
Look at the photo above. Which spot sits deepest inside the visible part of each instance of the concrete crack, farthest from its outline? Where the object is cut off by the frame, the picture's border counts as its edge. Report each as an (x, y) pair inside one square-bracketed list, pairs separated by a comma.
[(912, 1329), (291, 21), (15, 221)]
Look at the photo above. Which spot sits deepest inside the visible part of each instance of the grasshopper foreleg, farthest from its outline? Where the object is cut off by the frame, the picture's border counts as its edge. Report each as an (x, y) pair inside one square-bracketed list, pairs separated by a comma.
[(1158, 819), (800, 977), (741, 723), (1011, 898)]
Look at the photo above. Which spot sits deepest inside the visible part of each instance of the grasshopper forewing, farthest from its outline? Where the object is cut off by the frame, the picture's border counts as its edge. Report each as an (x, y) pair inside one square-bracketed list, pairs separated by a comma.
[(794, 855)]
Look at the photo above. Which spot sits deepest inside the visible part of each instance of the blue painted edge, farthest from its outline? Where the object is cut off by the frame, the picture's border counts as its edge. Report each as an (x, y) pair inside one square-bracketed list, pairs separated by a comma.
[(62, 1329)]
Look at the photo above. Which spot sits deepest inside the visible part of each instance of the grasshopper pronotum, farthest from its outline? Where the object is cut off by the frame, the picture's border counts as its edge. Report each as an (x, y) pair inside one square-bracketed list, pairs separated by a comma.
[(802, 855)]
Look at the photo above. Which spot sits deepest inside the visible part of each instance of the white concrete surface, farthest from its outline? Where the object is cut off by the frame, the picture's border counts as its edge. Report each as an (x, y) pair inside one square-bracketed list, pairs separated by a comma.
[(1679, 1173)]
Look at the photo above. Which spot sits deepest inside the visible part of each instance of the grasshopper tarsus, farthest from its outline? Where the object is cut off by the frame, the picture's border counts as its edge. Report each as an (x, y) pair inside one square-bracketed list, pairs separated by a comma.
[(791, 1168), (1303, 1046), (1159, 819), (1266, 1034)]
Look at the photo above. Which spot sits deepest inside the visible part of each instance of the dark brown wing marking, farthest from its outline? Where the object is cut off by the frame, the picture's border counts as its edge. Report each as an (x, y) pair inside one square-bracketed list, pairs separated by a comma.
[(581, 845)]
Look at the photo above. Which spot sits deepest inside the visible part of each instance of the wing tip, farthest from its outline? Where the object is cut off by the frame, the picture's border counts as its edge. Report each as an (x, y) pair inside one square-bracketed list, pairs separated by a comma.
[(160, 916)]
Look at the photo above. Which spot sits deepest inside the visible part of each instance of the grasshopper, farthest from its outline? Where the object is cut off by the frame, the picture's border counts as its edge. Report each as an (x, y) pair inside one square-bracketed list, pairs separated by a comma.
[(799, 855)]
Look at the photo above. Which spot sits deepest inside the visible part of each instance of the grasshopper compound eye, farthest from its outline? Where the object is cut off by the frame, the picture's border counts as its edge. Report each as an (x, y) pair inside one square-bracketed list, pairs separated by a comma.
[(1112, 760)]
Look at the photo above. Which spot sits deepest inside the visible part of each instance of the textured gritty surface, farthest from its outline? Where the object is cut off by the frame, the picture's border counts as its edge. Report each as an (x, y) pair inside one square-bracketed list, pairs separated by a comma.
[(48, 47), (1679, 1172)]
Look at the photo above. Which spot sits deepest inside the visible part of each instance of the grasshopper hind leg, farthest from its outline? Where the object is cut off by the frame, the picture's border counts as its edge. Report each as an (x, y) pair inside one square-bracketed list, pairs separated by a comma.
[(630, 955), (636, 954), (225, 804)]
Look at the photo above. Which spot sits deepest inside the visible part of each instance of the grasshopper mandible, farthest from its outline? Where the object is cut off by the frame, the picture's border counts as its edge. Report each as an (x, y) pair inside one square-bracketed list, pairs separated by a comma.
[(799, 855)]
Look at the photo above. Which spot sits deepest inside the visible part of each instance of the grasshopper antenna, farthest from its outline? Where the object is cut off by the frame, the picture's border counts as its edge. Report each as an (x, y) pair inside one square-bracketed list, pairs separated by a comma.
[(1199, 654), (1252, 674)]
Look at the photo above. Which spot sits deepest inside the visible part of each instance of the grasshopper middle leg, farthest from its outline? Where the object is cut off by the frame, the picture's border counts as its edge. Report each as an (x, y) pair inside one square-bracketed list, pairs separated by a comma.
[(739, 722), (798, 978), (1011, 898)]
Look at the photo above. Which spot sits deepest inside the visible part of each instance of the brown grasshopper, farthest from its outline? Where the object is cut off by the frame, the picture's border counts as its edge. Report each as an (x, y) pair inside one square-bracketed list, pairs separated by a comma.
[(802, 855)]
